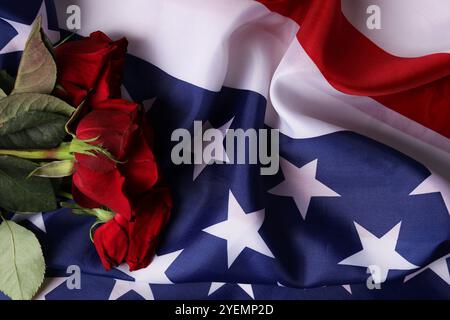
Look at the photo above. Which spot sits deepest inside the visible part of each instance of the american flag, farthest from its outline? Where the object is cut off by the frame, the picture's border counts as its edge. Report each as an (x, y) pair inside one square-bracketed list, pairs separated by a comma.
[(360, 208)]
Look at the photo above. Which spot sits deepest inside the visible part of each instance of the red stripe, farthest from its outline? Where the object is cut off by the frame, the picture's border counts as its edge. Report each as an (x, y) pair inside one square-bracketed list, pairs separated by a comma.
[(418, 88)]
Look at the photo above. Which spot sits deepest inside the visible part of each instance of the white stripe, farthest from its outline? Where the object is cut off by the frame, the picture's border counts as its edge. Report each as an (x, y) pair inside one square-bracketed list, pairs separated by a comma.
[(409, 28), (208, 43), (303, 105)]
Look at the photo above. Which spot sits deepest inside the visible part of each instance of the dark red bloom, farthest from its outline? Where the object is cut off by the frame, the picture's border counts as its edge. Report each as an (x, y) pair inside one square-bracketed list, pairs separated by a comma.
[(125, 182), (100, 181), (111, 242), (134, 241), (91, 65)]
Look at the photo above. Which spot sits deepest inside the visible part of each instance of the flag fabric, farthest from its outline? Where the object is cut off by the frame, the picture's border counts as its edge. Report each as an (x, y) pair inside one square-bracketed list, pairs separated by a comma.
[(360, 208)]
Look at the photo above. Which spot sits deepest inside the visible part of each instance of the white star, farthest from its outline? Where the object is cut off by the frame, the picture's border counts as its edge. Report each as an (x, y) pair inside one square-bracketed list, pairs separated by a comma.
[(440, 267), (125, 94), (347, 288), (378, 254), (148, 104), (220, 155), (36, 218), (155, 272), (240, 231), (435, 183), (17, 43), (301, 184), (48, 286), (246, 287), (121, 287)]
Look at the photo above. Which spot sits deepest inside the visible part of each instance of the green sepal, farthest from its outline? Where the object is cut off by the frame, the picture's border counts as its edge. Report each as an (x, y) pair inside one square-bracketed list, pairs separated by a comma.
[(55, 169)]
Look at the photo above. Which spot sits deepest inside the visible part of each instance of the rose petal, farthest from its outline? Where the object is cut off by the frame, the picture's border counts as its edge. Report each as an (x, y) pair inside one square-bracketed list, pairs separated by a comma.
[(143, 232), (105, 187), (111, 243), (82, 200), (113, 128), (141, 170)]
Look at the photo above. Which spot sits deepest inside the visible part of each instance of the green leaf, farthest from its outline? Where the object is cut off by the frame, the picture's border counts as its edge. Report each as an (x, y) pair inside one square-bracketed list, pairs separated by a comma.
[(70, 124), (6, 82), (55, 169), (20, 193), (32, 121), (37, 68), (22, 264), (48, 44)]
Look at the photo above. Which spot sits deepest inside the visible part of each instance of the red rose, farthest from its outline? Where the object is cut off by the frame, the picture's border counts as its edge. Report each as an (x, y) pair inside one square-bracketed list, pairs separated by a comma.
[(91, 65), (134, 241), (111, 243), (100, 181)]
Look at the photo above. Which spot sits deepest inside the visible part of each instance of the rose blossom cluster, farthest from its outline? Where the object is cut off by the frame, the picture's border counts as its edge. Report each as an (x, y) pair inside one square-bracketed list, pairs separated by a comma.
[(127, 183)]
